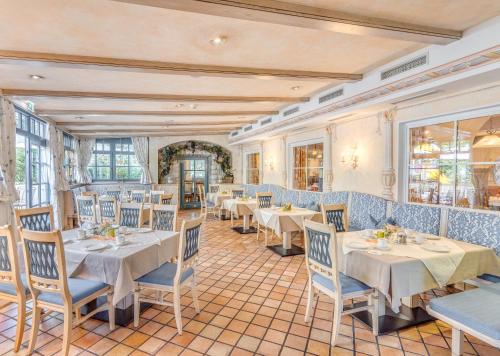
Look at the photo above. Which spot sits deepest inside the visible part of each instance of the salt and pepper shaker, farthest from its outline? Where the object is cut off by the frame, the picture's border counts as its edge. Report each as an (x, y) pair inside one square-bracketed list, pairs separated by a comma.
[(401, 238)]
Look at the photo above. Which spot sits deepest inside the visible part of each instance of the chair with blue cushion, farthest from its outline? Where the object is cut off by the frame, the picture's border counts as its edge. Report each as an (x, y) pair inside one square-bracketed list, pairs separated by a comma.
[(86, 209), (476, 312), (13, 287), (130, 214), (36, 219), (51, 288), (163, 217), (171, 277), (336, 215), (264, 201), (324, 276), (108, 210)]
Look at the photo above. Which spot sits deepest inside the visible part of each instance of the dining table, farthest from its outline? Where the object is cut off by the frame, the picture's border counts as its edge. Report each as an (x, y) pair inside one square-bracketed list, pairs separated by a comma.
[(284, 223), (242, 207), (218, 199), (400, 272)]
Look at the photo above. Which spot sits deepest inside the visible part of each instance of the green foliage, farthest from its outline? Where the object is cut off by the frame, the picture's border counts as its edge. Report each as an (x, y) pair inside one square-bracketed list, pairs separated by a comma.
[(20, 165), (168, 154)]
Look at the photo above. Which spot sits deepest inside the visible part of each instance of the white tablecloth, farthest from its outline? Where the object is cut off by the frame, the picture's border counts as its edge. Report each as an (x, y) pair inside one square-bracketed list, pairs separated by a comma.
[(240, 207), (217, 198), (120, 266), (283, 221)]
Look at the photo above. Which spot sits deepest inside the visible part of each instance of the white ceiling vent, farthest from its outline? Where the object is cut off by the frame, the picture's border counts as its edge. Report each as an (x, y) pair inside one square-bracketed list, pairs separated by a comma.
[(404, 67), (234, 133), (266, 121), (291, 111), (331, 96), (247, 128)]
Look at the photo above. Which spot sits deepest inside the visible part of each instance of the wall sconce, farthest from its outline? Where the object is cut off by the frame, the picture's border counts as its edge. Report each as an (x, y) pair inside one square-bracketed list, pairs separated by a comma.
[(352, 157), (269, 163)]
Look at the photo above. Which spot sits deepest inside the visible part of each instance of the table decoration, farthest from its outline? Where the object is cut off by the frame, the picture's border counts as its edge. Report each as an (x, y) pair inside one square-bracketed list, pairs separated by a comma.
[(287, 207)]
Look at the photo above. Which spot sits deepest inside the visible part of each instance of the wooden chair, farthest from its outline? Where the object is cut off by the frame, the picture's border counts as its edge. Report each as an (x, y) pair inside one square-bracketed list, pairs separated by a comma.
[(171, 277), (12, 288), (36, 219), (237, 193), (336, 215), (264, 200), (115, 193), (166, 198), (205, 206), (130, 214), (90, 194), (108, 209), (163, 217), (51, 288), (86, 209), (324, 276), (138, 196), (155, 195)]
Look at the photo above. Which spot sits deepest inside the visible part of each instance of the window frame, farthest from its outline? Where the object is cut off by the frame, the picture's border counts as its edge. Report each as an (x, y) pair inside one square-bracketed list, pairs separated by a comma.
[(291, 161), (69, 144), (246, 176)]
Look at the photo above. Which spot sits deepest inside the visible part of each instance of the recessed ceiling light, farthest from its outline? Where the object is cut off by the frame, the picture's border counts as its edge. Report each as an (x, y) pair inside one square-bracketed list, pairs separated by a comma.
[(295, 87), (218, 40), (179, 105), (79, 117), (36, 76), (193, 106)]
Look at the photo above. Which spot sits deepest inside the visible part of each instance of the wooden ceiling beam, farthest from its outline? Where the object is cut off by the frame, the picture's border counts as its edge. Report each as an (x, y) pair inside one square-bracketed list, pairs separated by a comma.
[(283, 13), (38, 60), (127, 131), (148, 134), (150, 123), (151, 97), (50, 112)]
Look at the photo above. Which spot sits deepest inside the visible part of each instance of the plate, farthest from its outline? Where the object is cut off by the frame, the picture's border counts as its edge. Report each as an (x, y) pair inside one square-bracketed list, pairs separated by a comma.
[(142, 230), (96, 246), (359, 245), (123, 243), (436, 248)]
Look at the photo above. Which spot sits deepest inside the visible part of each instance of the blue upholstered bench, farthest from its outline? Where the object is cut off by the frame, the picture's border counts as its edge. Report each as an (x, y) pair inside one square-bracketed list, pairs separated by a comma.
[(476, 312)]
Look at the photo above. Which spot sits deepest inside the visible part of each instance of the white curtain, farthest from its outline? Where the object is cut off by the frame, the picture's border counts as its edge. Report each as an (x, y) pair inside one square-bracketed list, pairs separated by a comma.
[(83, 157), (58, 182), (8, 192), (141, 148)]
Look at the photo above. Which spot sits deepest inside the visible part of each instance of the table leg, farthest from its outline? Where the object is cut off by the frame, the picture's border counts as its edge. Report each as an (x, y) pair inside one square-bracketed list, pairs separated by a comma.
[(287, 240), (287, 249), (246, 219), (246, 228)]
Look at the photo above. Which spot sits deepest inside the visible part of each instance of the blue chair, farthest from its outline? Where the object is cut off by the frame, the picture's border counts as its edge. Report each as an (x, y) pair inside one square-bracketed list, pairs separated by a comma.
[(115, 193), (171, 277), (108, 209), (86, 209), (36, 219), (324, 276), (336, 215), (138, 196), (130, 214), (51, 288), (163, 217), (13, 287)]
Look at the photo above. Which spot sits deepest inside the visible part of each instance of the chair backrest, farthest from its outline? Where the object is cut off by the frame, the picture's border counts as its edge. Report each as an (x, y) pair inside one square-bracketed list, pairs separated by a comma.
[(166, 198), (45, 263), (321, 251), (138, 196), (90, 194), (115, 193), (264, 200), (9, 261), (154, 196), (130, 214), (201, 192), (86, 208), (36, 219), (213, 188), (237, 193), (189, 244), (336, 215), (107, 209), (163, 217)]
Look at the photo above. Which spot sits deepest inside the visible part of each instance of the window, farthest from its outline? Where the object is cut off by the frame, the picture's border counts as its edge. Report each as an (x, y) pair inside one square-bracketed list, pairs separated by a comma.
[(32, 160), (114, 159), (253, 168), (456, 163), (307, 169), (69, 163)]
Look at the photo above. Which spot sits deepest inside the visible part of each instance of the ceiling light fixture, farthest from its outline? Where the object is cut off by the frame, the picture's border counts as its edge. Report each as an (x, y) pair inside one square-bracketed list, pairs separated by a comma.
[(193, 106), (36, 76), (295, 88), (179, 105), (218, 40)]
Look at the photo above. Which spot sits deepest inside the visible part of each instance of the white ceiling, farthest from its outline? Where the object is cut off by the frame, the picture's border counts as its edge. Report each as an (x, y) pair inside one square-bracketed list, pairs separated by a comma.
[(119, 30)]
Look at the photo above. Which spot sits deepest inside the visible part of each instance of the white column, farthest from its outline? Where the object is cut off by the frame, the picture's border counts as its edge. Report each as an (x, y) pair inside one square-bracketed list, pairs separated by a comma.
[(284, 165), (388, 174), (328, 159)]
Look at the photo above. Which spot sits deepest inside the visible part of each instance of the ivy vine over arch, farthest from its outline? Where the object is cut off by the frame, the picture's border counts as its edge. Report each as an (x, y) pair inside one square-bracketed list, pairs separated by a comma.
[(168, 154)]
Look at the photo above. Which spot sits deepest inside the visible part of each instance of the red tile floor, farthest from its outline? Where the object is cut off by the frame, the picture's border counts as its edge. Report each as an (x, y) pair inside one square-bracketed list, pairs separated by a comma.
[(252, 302)]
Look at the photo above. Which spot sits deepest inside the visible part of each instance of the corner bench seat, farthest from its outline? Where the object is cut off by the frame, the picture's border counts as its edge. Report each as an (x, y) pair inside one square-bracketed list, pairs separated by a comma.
[(475, 311)]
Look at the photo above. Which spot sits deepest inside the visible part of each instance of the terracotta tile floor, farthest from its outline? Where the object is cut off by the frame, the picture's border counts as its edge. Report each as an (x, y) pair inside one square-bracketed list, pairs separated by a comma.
[(252, 302)]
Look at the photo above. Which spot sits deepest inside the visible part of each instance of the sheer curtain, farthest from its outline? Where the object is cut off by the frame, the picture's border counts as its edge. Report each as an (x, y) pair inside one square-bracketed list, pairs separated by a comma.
[(58, 182), (83, 157), (141, 148), (8, 192)]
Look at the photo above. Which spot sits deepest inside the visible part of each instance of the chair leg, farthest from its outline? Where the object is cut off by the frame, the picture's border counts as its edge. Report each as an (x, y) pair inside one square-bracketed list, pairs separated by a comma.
[(265, 236), (337, 316), (232, 219), (457, 342), (310, 297), (194, 292), (35, 325), (68, 326), (137, 306), (111, 310), (177, 309), (21, 322), (373, 303), (258, 230)]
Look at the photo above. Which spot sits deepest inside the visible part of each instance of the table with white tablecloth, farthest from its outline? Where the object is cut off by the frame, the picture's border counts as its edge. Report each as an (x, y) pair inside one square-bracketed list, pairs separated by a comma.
[(240, 207)]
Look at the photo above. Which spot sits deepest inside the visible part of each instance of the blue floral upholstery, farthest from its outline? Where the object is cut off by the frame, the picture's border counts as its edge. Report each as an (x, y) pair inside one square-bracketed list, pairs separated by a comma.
[(108, 209), (36, 222), (310, 200), (262, 188), (129, 217), (364, 208), (278, 192), (191, 246), (264, 201), (42, 259), (475, 227), (250, 189), (417, 217), (4, 255), (163, 220), (290, 196), (335, 217), (318, 250), (335, 198)]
